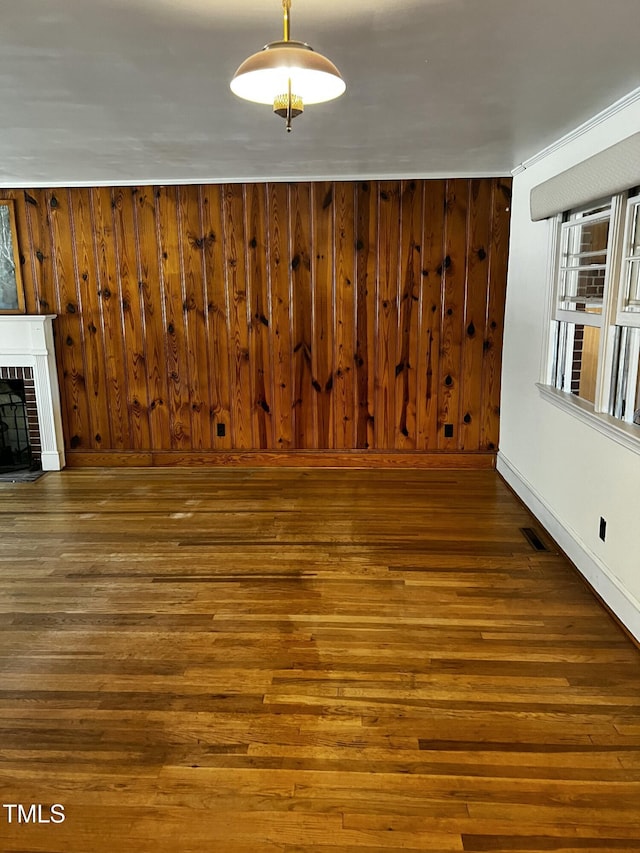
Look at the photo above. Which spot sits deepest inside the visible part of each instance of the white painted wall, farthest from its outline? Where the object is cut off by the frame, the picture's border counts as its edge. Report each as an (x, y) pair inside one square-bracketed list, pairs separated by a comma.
[(568, 473)]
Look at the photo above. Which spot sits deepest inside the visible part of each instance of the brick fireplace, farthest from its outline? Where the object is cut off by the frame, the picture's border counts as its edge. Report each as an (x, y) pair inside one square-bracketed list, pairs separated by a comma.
[(27, 355)]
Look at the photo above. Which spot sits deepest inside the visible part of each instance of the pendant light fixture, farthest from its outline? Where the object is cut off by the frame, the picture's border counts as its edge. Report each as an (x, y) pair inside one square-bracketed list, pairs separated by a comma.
[(287, 74)]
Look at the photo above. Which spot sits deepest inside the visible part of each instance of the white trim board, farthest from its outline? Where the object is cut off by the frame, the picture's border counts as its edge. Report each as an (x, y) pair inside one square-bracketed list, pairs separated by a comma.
[(621, 602), (212, 180)]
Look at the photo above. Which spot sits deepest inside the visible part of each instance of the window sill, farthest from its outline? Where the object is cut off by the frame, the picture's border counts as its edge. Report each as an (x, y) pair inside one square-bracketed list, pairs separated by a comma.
[(619, 431)]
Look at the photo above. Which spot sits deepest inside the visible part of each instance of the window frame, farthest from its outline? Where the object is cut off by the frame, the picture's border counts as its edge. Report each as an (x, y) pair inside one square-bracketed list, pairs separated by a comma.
[(612, 318), (564, 225), (625, 317)]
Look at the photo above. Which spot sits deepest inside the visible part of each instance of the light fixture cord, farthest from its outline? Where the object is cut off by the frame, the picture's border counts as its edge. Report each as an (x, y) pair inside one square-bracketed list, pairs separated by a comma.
[(286, 6)]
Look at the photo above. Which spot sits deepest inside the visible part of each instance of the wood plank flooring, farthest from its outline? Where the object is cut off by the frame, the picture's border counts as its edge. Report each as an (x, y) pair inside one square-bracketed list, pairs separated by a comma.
[(304, 660)]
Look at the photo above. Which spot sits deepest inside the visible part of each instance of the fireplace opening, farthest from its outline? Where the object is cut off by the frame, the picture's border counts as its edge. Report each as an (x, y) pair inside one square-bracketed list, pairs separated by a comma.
[(15, 446)]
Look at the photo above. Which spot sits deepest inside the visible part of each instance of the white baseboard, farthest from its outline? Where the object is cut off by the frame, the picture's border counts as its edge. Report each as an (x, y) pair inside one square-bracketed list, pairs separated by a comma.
[(622, 602), (52, 460)]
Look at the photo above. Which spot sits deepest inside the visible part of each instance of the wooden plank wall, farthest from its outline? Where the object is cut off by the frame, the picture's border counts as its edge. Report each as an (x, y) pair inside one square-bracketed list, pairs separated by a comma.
[(209, 323)]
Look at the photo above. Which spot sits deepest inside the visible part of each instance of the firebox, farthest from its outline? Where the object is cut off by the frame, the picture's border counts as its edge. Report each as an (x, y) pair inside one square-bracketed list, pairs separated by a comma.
[(19, 439), (15, 452)]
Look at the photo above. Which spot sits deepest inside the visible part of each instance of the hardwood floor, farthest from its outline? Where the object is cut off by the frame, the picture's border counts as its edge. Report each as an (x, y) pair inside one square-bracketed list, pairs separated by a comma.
[(304, 660)]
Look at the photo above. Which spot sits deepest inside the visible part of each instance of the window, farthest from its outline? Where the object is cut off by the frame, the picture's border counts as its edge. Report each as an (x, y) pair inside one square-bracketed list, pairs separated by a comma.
[(595, 335), (630, 292)]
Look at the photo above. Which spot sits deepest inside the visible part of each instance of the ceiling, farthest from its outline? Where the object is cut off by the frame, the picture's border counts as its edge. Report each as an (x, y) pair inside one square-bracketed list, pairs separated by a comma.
[(137, 91)]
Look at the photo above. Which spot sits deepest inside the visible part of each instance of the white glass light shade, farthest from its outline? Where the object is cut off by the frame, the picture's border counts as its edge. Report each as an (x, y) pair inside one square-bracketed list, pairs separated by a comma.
[(266, 74)]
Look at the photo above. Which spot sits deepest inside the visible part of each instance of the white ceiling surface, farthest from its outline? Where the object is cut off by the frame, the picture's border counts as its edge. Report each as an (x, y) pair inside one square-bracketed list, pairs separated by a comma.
[(137, 91)]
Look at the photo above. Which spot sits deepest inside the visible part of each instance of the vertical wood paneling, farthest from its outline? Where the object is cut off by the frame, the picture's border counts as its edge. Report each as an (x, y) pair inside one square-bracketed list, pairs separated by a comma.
[(37, 268), (280, 327), (323, 196), (217, 330), (344, 323), (195, 316), (387, 298), (75, 397), (171, 283), (411, 212), (274, 316), (428, 355), (90, 297), (475, 305), (452, 312), (134, 361), (242, 400), (259, 295), (304, 393), (366, 267), (496, 288), (110, 302), (155, 329)]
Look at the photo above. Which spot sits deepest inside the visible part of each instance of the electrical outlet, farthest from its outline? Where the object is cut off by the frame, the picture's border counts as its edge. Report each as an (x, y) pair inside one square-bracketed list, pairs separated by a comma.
[(220, 430), (603, 529), (448, 430)]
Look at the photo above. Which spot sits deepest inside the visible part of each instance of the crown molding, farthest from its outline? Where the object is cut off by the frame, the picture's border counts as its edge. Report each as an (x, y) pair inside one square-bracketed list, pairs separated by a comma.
[(294, 177), (612, 110)]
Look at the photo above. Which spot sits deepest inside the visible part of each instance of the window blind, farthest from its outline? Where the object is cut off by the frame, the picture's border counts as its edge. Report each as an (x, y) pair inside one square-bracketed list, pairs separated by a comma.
[(608, 172)]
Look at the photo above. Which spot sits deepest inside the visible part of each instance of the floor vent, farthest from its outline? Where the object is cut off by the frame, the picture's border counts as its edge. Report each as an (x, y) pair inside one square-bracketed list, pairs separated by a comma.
[(533, 539)]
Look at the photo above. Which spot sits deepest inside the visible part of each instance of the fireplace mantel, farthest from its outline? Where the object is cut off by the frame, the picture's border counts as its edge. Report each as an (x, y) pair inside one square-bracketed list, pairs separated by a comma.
[(27, 341)]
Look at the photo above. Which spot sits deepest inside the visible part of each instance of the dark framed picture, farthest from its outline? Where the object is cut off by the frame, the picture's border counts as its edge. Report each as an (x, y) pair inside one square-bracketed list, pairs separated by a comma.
[(11, 287)]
